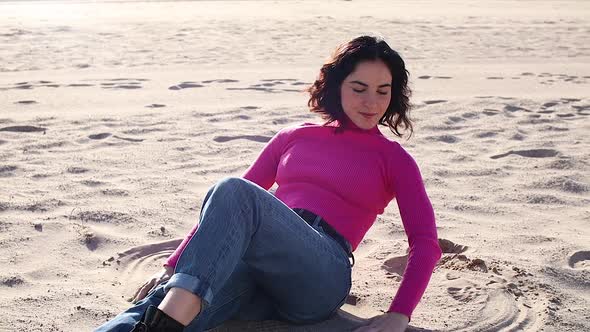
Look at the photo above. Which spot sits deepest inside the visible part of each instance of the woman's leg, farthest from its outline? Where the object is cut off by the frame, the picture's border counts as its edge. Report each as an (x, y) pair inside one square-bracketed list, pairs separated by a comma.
[(125, 321), (305, 272), (239, 292), (240, 298)]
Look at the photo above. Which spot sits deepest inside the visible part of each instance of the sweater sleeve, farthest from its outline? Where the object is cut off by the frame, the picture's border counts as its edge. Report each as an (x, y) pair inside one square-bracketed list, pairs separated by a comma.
[(262, 172), (419, 224)]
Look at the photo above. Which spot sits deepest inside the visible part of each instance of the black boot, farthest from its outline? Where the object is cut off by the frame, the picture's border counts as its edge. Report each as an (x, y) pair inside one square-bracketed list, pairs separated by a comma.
[(155, 320)]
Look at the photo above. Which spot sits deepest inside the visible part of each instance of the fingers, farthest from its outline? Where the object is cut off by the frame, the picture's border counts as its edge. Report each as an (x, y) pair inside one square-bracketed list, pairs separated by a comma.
[(147, 288), (132, 298), (143, 291)]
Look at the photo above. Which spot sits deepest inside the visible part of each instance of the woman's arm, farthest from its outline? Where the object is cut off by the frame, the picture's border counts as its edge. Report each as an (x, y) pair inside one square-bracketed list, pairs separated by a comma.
[(264, 169), (418, 219)]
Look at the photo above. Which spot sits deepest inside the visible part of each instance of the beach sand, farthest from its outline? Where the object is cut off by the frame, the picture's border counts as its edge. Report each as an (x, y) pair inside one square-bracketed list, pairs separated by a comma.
[(116, 117)]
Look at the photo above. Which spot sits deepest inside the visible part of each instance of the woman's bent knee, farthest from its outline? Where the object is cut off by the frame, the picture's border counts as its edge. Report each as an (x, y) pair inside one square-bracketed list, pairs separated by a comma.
[(233, 188), (233, 183)]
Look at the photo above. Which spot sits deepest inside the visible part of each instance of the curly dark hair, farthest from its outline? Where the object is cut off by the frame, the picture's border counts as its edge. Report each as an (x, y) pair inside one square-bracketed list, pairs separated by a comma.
[(325, 91)]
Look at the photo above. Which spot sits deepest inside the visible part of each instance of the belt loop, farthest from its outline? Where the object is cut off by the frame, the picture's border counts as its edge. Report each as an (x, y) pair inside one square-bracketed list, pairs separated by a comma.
[(316, 221)]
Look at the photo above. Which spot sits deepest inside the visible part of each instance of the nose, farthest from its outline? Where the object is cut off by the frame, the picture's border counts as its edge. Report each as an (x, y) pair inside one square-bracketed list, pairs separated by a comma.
[(370, 101)]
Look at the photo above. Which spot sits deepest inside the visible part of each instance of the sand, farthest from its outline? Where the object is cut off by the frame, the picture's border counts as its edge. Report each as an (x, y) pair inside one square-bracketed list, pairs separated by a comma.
[(116, 117)]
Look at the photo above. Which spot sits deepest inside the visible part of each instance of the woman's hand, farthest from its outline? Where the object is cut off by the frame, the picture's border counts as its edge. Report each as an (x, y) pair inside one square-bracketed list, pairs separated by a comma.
[(389, 322), (152, 283)]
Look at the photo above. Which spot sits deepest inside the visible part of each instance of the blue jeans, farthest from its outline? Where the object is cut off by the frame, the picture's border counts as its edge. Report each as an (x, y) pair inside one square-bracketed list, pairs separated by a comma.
[(253, 258)]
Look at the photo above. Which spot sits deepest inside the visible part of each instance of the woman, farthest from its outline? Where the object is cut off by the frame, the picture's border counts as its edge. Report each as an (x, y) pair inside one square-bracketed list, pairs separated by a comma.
[(255, 256)]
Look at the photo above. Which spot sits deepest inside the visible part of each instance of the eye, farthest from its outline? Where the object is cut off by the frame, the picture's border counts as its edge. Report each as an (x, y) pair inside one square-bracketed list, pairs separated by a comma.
[(382, 93), (358, 91)]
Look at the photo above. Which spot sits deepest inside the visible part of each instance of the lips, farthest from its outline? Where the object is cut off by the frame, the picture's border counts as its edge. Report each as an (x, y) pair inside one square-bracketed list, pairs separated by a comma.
[(368, 115)]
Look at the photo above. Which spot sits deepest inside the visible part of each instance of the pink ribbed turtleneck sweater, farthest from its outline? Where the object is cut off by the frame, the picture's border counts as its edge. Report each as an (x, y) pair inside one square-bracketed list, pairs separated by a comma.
[(348, 179)]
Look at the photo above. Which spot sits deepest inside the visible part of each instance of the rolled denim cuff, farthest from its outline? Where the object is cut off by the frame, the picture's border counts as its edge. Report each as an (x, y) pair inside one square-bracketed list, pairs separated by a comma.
[(192, 284)]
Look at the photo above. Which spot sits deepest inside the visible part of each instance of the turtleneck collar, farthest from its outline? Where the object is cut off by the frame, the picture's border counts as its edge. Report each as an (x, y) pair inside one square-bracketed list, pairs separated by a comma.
[(349, 124)]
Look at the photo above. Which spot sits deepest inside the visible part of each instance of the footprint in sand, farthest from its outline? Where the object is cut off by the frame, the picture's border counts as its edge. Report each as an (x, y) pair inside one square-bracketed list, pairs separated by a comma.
[(92, 183), (155, 106), (449, 247), (444, 138), (11, 281), (79, 85), (580, 260), (455, 119), (255, 138), (396, 264), (122, 83), (565, 115), (513, 108), (23, 86), (270, 85), (115, 192), (553, 128), (549, 104), (186, 85), (570, 100), (225, 80), (77, 170), (582, 109), (129, 86), (490, 111), (128, 79), (6, 170), (109, 217), (470, 115), (249, 108), (562, 183), (255, 88), (533, 153), (436, 101), (99, 136), (24, 129), (279, 80)]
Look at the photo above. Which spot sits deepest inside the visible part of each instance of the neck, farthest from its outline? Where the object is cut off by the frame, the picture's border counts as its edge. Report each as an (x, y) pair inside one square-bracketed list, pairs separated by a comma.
[(348, 124)]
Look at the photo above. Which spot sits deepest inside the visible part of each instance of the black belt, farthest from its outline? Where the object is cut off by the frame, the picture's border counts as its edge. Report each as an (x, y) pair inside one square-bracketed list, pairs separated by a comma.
[(311, 218)]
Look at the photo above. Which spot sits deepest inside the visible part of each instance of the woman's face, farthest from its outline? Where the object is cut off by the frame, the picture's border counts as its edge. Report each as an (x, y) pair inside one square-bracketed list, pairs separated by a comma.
[(366, 93)]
